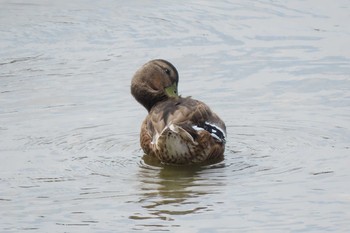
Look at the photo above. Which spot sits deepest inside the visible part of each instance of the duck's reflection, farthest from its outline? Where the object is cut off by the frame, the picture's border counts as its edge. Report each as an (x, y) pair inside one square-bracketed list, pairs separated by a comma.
[(169, 191)]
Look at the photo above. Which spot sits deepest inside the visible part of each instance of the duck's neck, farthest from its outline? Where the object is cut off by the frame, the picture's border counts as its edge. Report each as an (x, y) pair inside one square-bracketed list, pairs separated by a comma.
[(149, 103), (146, 98)]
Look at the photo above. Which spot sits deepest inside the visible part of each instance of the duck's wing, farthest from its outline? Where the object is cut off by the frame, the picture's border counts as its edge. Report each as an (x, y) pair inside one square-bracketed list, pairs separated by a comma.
[(189, 114)]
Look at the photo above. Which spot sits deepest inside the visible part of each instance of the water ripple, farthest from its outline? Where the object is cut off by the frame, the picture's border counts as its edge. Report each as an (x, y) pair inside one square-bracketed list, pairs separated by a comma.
[(276, 72)]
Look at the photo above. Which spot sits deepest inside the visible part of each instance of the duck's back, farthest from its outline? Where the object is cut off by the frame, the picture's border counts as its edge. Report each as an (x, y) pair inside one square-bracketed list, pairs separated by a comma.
[(183, 130)]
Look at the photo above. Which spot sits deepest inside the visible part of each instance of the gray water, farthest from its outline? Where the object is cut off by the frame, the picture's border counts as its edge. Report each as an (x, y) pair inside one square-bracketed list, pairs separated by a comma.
[(277, 72)]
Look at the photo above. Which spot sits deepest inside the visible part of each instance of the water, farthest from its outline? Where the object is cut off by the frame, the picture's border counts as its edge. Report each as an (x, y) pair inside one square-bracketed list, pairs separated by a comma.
[(277, 72)]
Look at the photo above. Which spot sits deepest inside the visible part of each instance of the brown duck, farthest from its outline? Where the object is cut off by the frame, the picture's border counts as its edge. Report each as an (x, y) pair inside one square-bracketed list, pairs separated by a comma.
[(177, 130)]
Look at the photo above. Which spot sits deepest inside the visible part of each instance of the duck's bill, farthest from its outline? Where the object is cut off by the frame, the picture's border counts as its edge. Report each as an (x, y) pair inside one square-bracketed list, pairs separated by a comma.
[(171, 91)]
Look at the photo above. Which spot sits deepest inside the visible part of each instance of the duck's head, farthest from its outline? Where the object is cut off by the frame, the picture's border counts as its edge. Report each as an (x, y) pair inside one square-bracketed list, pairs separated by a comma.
[(155, 81)]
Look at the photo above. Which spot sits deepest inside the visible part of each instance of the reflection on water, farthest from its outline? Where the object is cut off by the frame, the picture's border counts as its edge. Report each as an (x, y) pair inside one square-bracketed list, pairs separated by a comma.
[(277, 72), (170, 191)]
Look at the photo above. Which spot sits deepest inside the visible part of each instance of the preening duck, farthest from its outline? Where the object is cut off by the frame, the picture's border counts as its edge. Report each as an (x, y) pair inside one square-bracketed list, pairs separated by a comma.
[(177, 130)]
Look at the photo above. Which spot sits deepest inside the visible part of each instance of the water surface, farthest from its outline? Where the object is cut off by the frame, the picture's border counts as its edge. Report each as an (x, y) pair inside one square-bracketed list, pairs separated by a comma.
[(277, 72)]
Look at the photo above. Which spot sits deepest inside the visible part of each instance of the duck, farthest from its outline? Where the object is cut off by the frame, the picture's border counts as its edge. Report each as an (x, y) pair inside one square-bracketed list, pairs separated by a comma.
[(177, 130)]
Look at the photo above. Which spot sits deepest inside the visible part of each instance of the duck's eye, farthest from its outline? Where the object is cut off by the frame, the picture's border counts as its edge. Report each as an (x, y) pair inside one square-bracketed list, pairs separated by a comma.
[(167, 71)]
